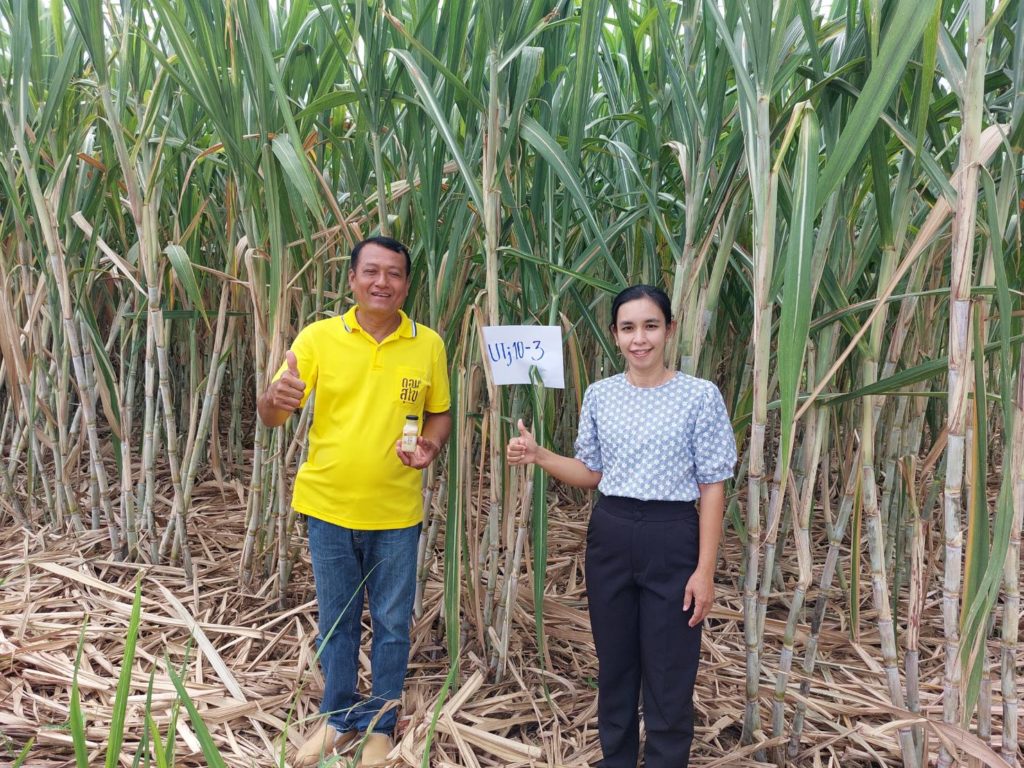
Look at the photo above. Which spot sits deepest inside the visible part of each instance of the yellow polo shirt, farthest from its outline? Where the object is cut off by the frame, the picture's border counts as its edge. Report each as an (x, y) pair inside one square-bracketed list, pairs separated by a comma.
[(364, 390)]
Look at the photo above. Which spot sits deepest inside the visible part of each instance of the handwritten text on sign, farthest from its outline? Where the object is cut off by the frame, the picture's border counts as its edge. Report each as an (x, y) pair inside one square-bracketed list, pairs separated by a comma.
[(513, 349)]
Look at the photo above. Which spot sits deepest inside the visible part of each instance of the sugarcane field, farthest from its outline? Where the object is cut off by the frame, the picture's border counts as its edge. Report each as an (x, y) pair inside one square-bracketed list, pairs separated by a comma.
[(511, 383)]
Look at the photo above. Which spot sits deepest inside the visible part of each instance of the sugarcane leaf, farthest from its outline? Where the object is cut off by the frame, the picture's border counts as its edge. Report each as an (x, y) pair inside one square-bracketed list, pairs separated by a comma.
[(206, 743), (795, 320), (75, 715), (186, 276), (326, 102), (119, 708), (297, 174), (107, 380), (433, 109), (901, 39), (535, 135)]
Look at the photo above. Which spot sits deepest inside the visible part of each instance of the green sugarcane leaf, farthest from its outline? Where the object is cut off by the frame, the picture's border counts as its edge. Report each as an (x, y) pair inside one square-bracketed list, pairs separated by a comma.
[(88, 17), (75, 715), (795, 320), (450, 77), (535, 135), (326, 102), (199, 75), (450, 681), (902, 37), (158, 747), (744, 83), (297, 174), (433, 109), (206, 742), (106, 382), (58, 85), (186, 275), (580, 277), (124, 682), (23, 755), (898, 382)]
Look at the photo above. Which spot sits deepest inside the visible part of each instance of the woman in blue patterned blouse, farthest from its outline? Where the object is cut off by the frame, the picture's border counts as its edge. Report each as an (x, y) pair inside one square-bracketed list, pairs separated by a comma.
[(653, 441)]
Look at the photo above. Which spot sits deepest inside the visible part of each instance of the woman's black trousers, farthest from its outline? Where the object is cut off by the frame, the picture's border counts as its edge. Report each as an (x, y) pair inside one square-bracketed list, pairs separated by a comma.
[(640, 554)]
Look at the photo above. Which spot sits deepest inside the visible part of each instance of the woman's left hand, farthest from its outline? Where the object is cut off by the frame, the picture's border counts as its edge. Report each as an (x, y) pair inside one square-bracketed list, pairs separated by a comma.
[(700, 593)]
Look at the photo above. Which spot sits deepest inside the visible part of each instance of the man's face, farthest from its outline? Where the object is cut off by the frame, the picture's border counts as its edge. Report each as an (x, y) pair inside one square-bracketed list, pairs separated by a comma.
[(379, 282)]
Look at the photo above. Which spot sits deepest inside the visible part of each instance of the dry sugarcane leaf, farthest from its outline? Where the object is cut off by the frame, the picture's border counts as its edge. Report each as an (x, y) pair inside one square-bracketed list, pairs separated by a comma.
[(204, 643)]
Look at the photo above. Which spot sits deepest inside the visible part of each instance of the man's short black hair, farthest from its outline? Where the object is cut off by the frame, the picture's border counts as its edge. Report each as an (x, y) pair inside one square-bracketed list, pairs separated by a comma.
[(384, 242)]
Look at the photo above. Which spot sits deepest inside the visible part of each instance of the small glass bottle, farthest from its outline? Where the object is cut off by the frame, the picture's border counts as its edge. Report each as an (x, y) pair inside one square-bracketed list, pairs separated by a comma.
[(409, 432)]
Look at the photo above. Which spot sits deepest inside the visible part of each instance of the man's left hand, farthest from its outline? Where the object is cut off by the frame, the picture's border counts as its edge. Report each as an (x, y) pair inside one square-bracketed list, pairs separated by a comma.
[(700, 593), (426, 451)]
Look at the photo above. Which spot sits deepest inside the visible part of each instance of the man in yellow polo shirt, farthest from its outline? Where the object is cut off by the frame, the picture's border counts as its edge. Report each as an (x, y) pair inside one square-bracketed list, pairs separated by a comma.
[(369, 369)]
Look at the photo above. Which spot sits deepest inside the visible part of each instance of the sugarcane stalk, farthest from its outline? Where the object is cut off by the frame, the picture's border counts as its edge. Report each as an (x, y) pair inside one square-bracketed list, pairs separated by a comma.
[(428, 542), (511, 593), (504, 606), (176, 527), (876, 534), (959, 368), (282, 518), (6, 483), (492, 231), (90, 378), (263, 436), (54, 252), (428, 535), (813, 440), (916, 597), (126, 398), (1010, 636), (836, 535), (764, 196), (684, 275), (147, 491), (222, 338)]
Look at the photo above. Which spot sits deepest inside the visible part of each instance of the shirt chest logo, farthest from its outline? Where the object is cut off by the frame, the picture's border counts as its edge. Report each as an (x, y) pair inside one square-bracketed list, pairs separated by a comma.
[(409, 392)]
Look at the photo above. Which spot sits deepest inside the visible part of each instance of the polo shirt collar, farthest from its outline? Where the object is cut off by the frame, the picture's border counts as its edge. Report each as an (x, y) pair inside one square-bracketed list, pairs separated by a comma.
[(406, 328)]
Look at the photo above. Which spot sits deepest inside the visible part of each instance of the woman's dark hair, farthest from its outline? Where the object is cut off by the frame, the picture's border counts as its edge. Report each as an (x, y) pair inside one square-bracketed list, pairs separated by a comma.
[(635, 292), (384, 242)]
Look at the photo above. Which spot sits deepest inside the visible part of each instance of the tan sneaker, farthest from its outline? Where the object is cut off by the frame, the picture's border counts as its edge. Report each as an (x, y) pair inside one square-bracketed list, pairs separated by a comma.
[(321, 743), (375, 750)]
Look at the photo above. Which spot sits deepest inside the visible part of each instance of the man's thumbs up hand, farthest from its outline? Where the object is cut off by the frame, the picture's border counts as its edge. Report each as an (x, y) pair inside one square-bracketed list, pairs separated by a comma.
[(285, 394)]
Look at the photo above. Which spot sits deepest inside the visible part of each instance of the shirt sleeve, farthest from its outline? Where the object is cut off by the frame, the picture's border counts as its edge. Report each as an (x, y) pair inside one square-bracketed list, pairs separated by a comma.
[(714, 445), (305, 358), (439, 398), (588, 446)]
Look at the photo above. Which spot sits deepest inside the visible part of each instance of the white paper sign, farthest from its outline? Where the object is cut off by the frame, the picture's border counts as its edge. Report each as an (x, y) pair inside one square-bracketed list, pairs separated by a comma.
[(513, 349)]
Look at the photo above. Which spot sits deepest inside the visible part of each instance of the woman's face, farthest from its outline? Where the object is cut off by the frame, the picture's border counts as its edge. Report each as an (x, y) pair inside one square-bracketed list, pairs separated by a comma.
[(641, 332)]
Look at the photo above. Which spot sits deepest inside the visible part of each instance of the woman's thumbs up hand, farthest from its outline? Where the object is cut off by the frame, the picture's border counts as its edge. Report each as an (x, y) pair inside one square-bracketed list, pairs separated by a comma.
[(522, 449)]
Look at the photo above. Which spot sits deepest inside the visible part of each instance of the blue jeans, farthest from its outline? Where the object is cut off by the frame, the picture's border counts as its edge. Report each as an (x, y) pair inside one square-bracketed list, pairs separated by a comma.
[(346, 561)]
